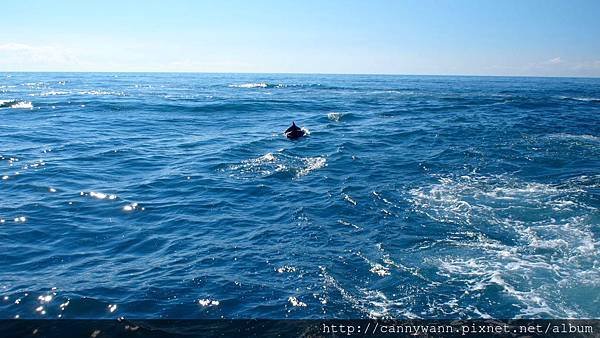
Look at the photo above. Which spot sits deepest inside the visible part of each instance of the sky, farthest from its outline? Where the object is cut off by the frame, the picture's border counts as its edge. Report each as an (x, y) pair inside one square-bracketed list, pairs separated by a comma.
[(452, 37)]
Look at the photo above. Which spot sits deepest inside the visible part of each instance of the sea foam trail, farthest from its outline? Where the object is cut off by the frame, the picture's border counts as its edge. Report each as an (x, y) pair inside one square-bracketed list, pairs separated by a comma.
[(546, 243)]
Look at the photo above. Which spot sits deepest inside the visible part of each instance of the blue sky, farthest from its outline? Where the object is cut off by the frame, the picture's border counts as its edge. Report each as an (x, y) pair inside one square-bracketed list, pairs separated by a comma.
[(478, 37)]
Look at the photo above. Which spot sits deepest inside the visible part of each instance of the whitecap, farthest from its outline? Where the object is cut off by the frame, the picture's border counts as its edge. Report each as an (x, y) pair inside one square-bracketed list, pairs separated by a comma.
[(311, 164), (16, 104), (208, 302), (54, 93), (380, 270), (97, 92), (333, 116), (575, 137), (580, 98), (101, 195), (22, 105), (269, 157), (250, 85), (286, 268), (348, 224), (132, 207), (349, 199), (296, 302)]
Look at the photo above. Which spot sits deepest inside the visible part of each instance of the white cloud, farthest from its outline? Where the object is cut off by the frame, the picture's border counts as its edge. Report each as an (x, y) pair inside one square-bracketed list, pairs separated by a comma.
[(22, 57), (554, 61), (13, 47)]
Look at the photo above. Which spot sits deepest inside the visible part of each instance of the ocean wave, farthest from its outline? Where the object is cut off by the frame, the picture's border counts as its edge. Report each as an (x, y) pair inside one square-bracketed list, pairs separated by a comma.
[(16, 104), (95, 92), (99, 195), (100, 93), (252, 85), (339, 117), (280, 85), (566, 136), (581, 99), (340, 221), (54, 93), (333, 116)]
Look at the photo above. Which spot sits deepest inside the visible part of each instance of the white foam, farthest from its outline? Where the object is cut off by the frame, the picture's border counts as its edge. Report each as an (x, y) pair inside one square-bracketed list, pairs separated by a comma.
[(575, 137), (208, 302), (269, 157), (296, 302), (386, 201), (311, 164), (132, 207), (583, 99), (97, 92), (380, 270), (286, 269), (100, 195), (349, 199), (54, 93), (250, 85), (333, 116), (22, 105), (348, 224), (546, 248)]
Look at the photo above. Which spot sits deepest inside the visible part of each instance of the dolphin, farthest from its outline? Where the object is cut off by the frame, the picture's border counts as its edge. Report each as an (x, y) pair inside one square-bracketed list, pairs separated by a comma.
[(294, 132)]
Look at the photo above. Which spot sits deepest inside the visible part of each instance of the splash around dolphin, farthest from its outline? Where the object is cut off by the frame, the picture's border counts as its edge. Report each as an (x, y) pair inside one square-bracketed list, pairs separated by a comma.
[(294, 132)]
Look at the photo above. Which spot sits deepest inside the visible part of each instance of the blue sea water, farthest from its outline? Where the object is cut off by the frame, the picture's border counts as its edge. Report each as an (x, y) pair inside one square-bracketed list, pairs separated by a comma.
[(177, 196)]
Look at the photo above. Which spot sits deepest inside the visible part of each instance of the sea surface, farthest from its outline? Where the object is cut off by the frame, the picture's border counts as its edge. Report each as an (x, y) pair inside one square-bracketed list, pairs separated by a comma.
[(177, 196)]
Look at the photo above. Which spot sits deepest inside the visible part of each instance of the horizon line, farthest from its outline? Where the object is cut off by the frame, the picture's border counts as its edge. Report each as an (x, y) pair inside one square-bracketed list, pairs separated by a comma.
[(297, 73)]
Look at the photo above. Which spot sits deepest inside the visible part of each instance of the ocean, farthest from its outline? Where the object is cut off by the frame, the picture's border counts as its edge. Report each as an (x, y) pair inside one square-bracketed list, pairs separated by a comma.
[(177, 196)]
